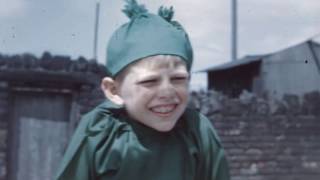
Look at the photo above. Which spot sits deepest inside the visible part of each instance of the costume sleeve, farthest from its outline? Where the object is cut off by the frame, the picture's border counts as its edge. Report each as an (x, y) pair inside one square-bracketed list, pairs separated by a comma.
[(214, 162), (75, 164), (78, 162), (90, 152)]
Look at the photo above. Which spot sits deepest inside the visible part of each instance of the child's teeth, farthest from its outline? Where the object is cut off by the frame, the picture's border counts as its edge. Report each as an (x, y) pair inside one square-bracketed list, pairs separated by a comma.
[(163, 109)]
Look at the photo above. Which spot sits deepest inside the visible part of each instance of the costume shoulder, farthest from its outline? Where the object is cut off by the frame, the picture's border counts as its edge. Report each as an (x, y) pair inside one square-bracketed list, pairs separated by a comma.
[(95, 127), (201, 126), (213, 164)]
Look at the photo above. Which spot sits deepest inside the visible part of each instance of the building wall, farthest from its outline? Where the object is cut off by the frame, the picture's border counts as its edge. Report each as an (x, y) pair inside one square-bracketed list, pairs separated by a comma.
[(233, 81), (291, 71), (315, 47), (78, 78)]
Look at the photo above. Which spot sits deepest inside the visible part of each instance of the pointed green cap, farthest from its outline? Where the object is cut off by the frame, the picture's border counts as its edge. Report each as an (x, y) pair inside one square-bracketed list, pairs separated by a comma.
[(147, 35)]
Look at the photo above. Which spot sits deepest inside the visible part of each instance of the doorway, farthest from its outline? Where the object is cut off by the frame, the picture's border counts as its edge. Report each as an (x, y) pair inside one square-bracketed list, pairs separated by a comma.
[(38, 134)]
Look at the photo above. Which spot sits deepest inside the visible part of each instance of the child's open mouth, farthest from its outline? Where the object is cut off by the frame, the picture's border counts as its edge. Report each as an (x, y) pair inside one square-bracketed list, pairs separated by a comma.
[(164, 110)]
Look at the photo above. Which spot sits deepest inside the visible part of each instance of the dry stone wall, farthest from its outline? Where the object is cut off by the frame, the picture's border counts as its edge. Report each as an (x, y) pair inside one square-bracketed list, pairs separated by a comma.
[(267, 139)]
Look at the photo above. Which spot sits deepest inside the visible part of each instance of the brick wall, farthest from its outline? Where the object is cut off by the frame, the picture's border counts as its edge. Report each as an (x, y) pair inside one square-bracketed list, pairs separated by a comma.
[(267, 139)]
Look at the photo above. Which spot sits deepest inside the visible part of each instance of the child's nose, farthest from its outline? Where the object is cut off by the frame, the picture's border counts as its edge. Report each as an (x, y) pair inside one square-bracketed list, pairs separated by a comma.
[(166, 90)]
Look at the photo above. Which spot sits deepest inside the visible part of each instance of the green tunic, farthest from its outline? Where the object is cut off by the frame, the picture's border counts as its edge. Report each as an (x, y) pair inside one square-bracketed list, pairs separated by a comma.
[(108, 145)]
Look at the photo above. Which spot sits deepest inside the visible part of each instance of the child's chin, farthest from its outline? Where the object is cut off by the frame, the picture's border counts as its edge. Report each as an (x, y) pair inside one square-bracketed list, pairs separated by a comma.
[(165, 127)]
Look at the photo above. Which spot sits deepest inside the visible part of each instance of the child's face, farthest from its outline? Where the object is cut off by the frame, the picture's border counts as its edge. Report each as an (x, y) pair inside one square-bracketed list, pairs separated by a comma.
[(155, 91)]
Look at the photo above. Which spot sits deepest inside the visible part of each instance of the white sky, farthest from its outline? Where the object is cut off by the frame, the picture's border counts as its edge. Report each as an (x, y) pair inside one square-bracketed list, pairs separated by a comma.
[(65, 27)]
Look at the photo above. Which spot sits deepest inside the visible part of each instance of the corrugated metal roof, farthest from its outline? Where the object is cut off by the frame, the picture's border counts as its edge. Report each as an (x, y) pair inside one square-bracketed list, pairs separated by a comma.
[(239, 62), (316, 39), (254, 58)]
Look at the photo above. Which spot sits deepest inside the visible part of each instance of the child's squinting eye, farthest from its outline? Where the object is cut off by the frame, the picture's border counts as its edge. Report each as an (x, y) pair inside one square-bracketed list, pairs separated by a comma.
[(179, 79), (148, 82)]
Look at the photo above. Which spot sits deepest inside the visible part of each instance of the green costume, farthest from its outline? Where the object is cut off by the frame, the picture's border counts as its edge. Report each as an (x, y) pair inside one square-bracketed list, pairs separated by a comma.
[(108, 145)]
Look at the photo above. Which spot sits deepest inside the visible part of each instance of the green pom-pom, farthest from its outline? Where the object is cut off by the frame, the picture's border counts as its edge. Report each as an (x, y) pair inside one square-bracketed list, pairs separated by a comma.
[(166, 13), (132, 9)]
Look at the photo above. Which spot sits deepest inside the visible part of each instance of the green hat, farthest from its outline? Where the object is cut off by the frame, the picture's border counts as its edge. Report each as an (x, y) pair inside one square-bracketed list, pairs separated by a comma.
[(147, 35)]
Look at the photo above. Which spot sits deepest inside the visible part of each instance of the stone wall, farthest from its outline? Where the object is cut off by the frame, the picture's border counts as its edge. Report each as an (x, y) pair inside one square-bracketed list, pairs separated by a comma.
[(267, 139), (3, 129)]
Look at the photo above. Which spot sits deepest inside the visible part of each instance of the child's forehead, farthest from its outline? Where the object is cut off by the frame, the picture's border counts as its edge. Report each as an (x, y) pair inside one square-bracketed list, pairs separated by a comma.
[(152, 63), (159, 61)]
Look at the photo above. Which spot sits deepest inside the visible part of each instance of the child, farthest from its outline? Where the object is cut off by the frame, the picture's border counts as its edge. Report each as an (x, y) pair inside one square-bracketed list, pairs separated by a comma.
[(145, 130)]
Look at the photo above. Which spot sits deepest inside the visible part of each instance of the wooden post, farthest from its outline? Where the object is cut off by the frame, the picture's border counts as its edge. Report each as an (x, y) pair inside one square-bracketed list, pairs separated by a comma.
[(234, 30), (95, 43)]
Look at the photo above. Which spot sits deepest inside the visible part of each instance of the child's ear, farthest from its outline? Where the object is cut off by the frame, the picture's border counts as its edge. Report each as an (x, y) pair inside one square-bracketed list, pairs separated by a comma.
[(109, 89)]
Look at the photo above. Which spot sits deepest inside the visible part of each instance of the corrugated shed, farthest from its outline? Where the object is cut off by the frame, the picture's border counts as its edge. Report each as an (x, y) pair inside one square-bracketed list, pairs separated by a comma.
[(240, 62), (315, 47), (293, 70)]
